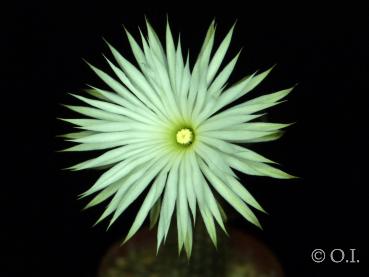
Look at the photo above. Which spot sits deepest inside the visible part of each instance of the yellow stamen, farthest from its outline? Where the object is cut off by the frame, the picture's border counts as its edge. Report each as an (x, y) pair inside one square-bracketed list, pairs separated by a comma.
[(184, 136)]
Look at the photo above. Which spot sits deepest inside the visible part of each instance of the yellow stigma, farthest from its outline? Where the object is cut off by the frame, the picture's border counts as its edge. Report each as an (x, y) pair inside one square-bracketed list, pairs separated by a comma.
[(184, 136)]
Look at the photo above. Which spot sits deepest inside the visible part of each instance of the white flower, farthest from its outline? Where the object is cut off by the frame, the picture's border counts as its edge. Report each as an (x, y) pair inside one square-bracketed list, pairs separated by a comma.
[(163, 127)]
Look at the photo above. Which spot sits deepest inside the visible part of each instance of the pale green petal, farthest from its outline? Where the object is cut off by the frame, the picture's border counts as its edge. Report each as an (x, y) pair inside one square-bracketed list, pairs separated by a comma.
[(125, 183), (167, 94), (168, 202), (138, 94), (154, 42), (113, 136), (206, 111), (171, 55), (219, 56), (257, 168), (190, 193), (219, 144), (242, 192), (235, 150), (237, 135), (95, 146), (206, 200), (229, 195), (135, 190), (155, 213), (213, 159), (188, 240), (209, 224), (130, 102), (77, 135), (93, 92), (136, 50), (82, 122), (185, 85), (115, 155), (179, 68), (151, 198), (196, 180), (148, 54), (104, 194), (221, 121), (256, 80), (259, 103), (133, 74), (142, 89), (201, 96), (245, 153), (240, 89), (216, 87), (258, 126), (243, 167), (96, 113), (198, 80), (115, 109), (233, 93), (111, 82), (271, 171), (209, 36), (213, 206), (112, 127), (121, 169), (182, 208), (270, 137), (223, 214)]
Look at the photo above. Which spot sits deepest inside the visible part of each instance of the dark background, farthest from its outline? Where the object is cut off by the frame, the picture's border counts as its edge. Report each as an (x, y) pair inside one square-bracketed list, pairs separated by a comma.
[(44, 233)]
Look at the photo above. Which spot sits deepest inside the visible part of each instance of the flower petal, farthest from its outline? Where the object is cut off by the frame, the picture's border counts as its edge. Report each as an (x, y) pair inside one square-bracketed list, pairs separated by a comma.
[(229, 195), (219, 56), (135, 190)]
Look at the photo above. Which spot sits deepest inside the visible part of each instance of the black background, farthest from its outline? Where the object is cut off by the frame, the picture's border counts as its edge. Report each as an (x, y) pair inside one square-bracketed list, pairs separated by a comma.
[(325, 51)]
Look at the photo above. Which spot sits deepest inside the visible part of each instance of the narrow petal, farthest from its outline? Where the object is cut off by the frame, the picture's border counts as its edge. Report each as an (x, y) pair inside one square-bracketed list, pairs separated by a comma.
[(219, 56), (229, 195), (97, 113), (151, 198), (168, 202), (219, 82), (115, 155), (134, 191), (121, 169), (257, 168)]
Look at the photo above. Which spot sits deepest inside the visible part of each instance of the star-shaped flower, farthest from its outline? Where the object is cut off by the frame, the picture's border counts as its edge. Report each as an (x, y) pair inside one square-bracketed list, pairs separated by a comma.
[(168, 128)]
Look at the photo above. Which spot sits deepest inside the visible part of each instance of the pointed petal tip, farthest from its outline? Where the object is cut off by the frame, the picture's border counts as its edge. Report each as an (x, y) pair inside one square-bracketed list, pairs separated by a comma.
[(125, 240), (105, 40), (234, 24), (260, 227), (264, 211), (225, 232), (71, 168), (110, 223), (88, 63), (97, 222), (85, 208)]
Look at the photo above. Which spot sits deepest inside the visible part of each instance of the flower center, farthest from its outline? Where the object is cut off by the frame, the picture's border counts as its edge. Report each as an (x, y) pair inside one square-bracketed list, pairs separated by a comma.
[(184, 136)]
